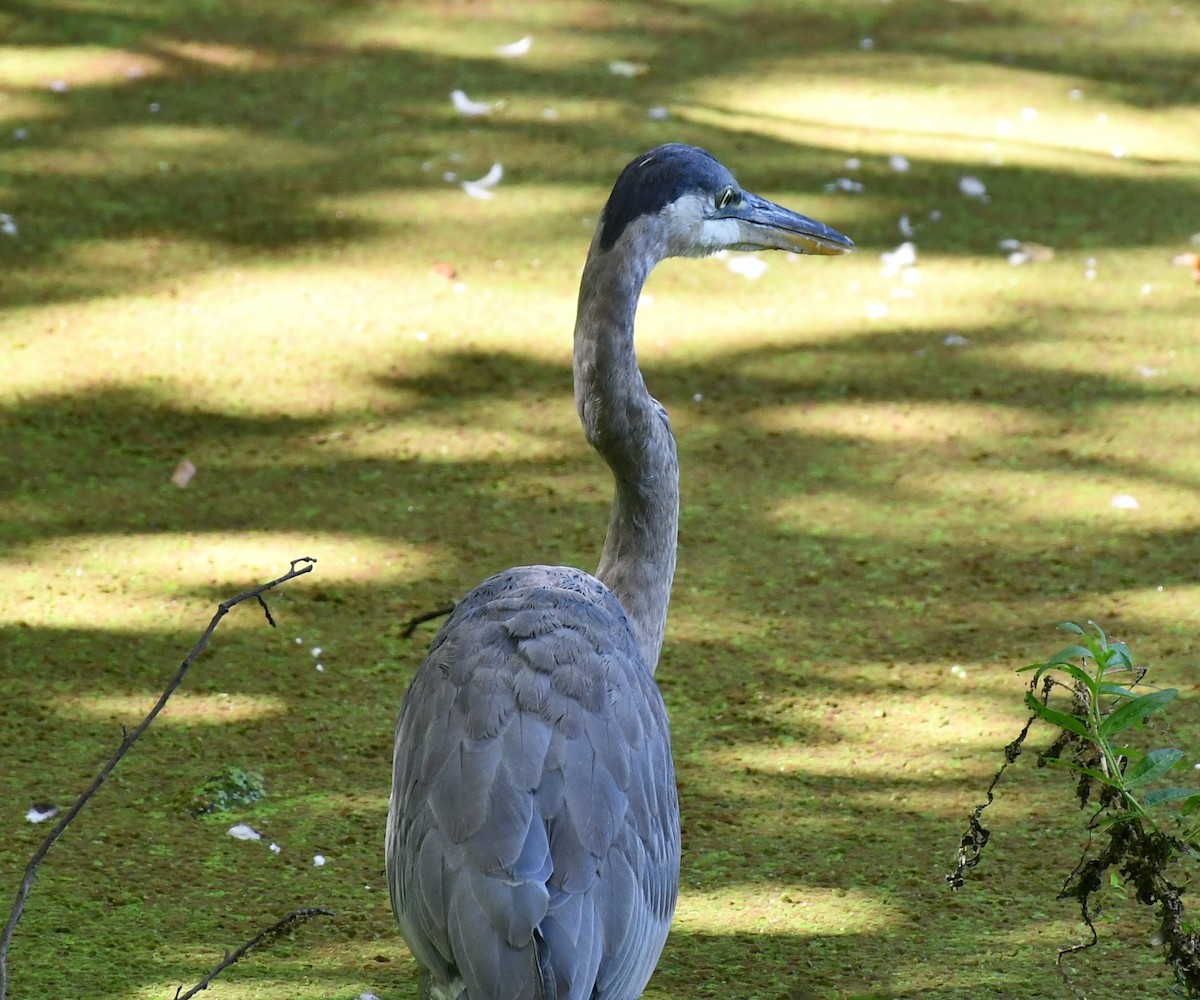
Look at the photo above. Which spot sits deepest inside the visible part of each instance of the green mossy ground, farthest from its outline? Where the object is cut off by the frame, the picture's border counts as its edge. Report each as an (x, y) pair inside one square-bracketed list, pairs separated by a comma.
[(228, 227)]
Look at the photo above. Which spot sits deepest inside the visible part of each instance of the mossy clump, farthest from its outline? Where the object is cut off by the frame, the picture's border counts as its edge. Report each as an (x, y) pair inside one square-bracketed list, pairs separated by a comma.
[(229, 788)]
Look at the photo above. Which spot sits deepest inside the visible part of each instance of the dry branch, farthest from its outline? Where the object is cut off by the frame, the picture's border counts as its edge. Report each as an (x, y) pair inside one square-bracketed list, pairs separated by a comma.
[(277, 928), (298, 568), (426, 616)]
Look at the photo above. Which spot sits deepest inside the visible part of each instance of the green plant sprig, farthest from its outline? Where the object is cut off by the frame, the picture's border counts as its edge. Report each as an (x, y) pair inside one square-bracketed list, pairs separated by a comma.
[(1106, 710), (1117, 775)]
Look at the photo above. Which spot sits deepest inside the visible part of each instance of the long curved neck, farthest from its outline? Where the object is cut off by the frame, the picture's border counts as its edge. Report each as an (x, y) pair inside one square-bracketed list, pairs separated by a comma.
[(629, 429)]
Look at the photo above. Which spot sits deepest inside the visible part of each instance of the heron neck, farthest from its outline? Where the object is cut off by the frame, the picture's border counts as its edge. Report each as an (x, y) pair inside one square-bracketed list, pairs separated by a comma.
[(629, 429)]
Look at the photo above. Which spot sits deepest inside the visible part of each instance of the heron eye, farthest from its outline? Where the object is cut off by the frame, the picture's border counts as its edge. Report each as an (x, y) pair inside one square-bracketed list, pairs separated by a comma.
[(726, 198)]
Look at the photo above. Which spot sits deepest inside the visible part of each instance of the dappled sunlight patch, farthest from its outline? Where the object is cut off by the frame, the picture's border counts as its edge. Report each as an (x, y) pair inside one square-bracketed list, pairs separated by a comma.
[(158, 148), (1075, 496), (63, 67), (902, 421), (220, 55), (942, 496), (18, 111), (480, 35), (940, 109), (527, 204), (184, 709), (123, 580), (900, 733), (783, 909), (460, 437), (1162, 610), (288, 978)]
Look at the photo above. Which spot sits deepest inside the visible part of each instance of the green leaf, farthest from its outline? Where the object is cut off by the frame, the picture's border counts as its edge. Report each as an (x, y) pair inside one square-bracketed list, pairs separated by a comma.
[(1191, 805), (1081, 675), (1100, 632), (1069, 653), (1116, 691), (1071, 723), (1068, 765), (1123, 653), (1069, 627), (1154, 765), (1132, 712), (1159, 795)]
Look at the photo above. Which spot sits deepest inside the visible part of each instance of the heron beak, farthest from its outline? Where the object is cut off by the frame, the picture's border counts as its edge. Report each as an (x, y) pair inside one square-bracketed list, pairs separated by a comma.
[(763, 225)]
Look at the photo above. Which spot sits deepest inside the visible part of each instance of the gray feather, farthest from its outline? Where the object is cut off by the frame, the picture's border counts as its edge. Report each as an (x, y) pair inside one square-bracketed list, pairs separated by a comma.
[(516, 783)]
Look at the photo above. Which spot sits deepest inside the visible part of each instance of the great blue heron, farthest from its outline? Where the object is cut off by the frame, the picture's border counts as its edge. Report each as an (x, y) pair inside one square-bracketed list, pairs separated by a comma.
[(533, 829)]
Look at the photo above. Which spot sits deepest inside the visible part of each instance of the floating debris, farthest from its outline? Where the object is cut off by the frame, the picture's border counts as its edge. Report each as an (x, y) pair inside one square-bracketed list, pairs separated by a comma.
[(905, 227), (1123, 501), (1024, 252), (482, 188), (471, 109), (972, 187), (899, 163), (844, 184), (955, 340), (244, 832), (894, 261), (1029, 114), (516, 49), (658, 114), (39, 812), (183, 474), (318, 860), (853, 163), (866, 44), (275, 848), (7, 225), (622, 67), (877, 310)]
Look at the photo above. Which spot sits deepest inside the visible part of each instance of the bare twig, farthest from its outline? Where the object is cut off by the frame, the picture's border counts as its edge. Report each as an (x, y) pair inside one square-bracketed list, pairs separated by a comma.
[(1064, 952), (426, 616), (277, 928), (970, 848), (298, 568)]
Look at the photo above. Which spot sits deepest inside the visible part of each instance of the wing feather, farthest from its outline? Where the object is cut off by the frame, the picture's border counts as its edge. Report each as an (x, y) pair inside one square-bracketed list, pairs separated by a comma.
[(533, 832)]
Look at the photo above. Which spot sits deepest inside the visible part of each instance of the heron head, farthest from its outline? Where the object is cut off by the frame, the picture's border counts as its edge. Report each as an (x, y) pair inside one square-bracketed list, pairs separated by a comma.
[(688, 204)]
